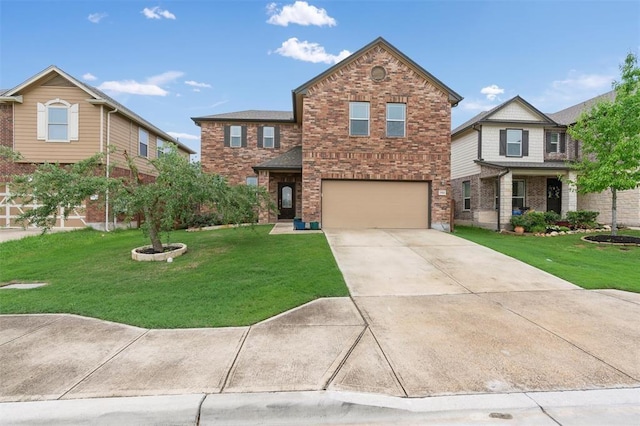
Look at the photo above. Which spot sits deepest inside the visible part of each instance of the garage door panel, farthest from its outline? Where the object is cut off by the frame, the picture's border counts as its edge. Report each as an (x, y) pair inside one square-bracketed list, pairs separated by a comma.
[(375, 204)]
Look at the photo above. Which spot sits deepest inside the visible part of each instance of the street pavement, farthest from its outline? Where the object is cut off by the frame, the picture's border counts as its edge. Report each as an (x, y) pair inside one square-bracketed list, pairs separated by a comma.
[(431, 318)]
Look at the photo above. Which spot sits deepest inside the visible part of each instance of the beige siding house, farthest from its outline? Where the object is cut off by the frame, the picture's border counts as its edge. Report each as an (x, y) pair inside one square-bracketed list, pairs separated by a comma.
[(53, 117), (515, 158)]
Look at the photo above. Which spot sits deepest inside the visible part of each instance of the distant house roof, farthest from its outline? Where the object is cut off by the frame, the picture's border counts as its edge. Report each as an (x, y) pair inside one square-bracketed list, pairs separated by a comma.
[(570, 115), (484, 116), (290, 160), (547, 165), (99, 98), (249, 115)]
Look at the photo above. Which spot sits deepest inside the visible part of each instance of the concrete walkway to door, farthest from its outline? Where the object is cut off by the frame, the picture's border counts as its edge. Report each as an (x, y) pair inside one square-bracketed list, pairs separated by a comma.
[(447, 316)]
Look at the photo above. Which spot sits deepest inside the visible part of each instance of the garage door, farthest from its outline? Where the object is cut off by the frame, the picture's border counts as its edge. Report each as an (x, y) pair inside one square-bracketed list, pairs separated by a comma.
[(375, 204)]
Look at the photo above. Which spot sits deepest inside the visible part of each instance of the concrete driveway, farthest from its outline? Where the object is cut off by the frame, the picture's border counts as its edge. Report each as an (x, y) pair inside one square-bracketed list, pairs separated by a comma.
[(430, 315)]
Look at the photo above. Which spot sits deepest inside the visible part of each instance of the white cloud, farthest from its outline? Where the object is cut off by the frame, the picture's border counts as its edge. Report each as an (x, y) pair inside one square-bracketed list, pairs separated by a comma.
[(96, 17), (196, 84), (301, 13), (184, 136), (576, 87), (309, 52), (151, 87), (476, 105), (157, 13), (89, 77), (492, 91)]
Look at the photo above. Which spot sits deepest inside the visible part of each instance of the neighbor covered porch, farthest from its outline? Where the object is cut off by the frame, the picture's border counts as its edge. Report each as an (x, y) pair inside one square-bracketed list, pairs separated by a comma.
[(518, 188), (282, 177)]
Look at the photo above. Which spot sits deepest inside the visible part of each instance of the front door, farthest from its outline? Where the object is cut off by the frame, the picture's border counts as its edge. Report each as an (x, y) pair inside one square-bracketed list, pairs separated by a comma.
[(554, 195), (286, 200)]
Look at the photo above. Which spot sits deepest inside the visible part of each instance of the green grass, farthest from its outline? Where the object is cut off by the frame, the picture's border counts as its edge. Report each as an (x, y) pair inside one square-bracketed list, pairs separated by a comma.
[(229, 277), (585, 264)]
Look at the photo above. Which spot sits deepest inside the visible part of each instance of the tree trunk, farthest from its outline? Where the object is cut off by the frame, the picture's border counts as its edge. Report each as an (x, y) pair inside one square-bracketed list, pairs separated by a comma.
[(154, 231), (614, 212)]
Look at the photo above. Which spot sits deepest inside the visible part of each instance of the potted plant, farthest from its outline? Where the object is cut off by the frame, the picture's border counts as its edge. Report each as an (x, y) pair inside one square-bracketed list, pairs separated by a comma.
[(519, 223)]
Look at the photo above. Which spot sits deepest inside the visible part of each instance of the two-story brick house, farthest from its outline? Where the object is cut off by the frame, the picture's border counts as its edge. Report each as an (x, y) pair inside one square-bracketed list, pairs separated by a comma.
[(516, 157), (367, 144), (54, 117)]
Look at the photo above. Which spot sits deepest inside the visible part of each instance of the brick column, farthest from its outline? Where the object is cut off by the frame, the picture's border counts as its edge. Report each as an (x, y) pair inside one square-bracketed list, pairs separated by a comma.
[(506, 194)]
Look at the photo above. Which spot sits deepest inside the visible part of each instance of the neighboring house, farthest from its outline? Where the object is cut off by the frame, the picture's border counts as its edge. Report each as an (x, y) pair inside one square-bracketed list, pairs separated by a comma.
[(514, 157), (367, 144), (53, 117)]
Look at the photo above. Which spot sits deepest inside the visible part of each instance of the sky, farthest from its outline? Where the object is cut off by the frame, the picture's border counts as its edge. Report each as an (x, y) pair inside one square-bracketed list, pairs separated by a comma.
[(172, 60)]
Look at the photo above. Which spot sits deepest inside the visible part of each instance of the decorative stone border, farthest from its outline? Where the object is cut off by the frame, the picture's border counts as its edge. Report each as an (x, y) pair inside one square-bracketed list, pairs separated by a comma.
[(606, 242), (158, 257)]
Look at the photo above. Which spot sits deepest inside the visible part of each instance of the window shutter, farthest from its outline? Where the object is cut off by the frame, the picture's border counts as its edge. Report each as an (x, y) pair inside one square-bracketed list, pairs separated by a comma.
[(244, 137), (563, 143), (547, 137), (227, 136), (276, 137), (525, 143), (73, 122), (260, 134), (503, 142), (42, 122)]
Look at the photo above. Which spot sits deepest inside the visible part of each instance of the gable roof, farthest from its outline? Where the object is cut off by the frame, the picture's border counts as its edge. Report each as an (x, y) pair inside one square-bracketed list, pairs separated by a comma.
[(290, 160), (570, 115), (249, 115), (484, 116), (99, 98), (454, 97)]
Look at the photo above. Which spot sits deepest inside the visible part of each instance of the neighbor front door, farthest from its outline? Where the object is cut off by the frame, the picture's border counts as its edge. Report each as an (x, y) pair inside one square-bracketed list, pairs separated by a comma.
[(554, 195), (286, 200)]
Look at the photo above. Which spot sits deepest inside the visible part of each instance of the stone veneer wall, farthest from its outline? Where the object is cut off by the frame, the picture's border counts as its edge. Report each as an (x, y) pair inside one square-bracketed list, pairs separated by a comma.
[(628, 206), (330, 153)]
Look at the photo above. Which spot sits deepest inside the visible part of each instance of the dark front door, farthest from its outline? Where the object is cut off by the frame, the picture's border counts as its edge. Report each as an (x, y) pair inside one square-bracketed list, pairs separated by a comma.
[(554, 195), (286, 200)]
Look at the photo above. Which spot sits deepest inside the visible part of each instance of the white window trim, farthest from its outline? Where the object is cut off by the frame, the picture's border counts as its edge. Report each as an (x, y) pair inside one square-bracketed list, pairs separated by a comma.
[(42, 120), (524, 189), (232, 135), (266, 137), (367, 119), (404, 120), (140, 142), (160, 147), (555, 145), (250, 179), (464, 184), (513, 143)]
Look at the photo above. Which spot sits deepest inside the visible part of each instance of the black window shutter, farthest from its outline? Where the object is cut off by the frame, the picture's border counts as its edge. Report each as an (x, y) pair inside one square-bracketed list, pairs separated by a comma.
[(260, 133), (244, 137), (227, 136), (563, 142), (525, 143), (503, 142), (276, 137), (547, 137)]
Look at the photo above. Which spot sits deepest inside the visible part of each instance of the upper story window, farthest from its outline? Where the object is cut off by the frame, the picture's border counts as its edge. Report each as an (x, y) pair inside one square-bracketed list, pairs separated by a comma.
[(143, 142), (396, 120), (514, 142), (160, 147), (359, 118), (555, 142), (268, 137), (57, 121), (235, 136)]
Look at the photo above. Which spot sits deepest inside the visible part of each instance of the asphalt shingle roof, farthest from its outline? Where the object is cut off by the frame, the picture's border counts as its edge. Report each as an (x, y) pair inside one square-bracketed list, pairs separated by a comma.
[(249, 115), (570, 115), (290, 160)]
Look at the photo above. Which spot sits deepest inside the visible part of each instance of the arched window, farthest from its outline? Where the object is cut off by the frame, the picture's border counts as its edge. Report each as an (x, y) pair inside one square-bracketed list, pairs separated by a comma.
[(57, 121)]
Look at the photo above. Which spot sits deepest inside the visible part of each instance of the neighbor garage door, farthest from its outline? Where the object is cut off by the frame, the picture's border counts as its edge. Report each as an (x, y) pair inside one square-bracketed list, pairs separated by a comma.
[(375, 204)]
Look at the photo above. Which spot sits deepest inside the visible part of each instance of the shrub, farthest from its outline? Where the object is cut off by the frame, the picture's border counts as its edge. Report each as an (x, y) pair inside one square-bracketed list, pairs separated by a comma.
[(535, 220), (537, 229), (551, 217), (582, 218)]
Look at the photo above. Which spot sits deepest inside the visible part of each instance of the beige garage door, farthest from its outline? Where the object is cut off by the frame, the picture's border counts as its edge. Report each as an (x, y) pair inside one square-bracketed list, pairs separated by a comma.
[(375, 204)]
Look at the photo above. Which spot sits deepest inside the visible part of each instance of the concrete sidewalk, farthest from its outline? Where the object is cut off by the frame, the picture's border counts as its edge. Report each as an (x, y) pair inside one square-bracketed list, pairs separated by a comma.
[(431, 315)]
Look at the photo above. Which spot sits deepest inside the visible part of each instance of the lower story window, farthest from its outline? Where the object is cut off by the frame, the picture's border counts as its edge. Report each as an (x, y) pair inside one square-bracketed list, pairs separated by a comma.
[(252, 180), (517, 197), (496, 191), (466, 195)]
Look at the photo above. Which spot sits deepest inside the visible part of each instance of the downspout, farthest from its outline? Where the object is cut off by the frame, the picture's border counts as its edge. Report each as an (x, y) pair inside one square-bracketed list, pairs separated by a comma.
[(499, 195), (106, 203)]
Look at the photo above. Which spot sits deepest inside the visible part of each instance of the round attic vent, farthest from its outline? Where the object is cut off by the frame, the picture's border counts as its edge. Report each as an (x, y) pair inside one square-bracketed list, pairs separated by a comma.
[(378, 73)]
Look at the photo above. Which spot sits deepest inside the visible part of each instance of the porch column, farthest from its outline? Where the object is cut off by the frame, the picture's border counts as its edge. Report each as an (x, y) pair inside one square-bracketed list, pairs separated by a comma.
[(570, 194), (506, 193), (263, 181)]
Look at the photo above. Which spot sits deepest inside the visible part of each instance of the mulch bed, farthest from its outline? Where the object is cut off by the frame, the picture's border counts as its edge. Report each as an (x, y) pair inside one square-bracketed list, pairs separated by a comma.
[(150, 250), (614, 239)]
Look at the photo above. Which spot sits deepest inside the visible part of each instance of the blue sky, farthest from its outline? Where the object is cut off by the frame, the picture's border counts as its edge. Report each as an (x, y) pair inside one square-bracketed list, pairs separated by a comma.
[(172, 60)]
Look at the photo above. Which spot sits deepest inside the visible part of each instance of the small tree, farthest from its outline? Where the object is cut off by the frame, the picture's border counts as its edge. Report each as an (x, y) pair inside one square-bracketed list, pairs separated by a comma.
[(610, 136)]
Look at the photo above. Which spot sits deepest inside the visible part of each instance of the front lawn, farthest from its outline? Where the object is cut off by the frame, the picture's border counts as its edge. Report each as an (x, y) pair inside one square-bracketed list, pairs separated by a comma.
[(566, 256), (229, 277)]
